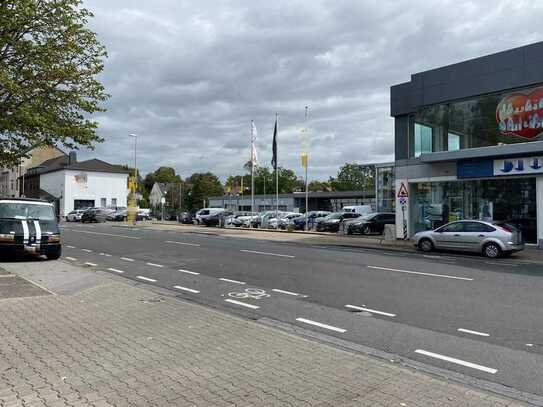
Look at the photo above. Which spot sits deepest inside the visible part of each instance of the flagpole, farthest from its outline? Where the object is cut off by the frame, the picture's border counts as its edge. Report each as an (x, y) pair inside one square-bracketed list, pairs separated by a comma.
[(252, 170), (306, 180), (276, 177)]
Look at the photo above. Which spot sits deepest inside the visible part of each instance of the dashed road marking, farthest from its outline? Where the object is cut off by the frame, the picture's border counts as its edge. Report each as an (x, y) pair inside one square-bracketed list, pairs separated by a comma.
[(105, 254), (91, 264), (457, 361), (321, 325), (183, 243), (127, 259), (70, 247), (154, 264), (87, 250), (420, 273), (190, 290), (189, 272), (116, 270), (71, 258), (469, 331), (231, 281), (499, 263), (268, 254), (146, 279), (105, 234), (276, 290), (243, 304), (373, 311)]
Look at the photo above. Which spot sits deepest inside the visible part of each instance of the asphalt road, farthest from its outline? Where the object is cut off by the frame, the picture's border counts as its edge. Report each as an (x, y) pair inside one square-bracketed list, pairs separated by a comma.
[(464, 314)]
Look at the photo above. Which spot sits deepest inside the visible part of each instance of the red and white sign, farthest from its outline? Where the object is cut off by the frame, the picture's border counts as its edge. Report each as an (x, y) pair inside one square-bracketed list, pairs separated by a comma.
[(521, 115), (402, 193)]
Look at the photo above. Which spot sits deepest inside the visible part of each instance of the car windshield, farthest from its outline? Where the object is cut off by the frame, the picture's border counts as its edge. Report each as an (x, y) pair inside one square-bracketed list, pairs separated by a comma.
[(336, 215), (26, 211)]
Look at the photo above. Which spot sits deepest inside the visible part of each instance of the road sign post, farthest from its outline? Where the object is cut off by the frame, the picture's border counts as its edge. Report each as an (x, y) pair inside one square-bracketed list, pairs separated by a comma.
[(403, 197)]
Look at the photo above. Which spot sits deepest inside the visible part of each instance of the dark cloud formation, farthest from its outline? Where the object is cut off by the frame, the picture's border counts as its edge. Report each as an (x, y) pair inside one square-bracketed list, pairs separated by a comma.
[(188, 76)]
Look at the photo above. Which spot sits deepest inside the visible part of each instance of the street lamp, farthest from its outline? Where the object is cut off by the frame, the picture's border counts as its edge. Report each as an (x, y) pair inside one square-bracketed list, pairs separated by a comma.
[(135, 137)]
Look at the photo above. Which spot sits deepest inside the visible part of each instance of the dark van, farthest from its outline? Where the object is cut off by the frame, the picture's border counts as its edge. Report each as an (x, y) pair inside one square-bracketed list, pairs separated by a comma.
[(29, 226)]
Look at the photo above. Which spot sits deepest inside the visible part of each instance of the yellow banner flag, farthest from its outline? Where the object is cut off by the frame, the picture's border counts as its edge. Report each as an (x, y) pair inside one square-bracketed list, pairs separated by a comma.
[(304, 158)]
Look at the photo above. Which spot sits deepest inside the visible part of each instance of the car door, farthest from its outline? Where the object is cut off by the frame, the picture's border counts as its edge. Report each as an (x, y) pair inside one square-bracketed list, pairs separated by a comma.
[(474, 234), (449, 236)]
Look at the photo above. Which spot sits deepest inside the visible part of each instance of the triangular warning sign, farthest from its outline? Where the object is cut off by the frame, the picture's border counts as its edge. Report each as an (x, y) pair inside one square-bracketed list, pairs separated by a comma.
[(402, 193)]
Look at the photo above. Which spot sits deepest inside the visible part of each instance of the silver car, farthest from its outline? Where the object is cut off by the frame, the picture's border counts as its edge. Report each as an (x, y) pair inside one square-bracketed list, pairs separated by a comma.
[(476, 236)]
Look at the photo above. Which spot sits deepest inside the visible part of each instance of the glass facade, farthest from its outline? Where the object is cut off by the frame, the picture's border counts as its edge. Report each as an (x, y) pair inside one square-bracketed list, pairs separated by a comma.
[(512, 200), (488, 120), (385, 189)]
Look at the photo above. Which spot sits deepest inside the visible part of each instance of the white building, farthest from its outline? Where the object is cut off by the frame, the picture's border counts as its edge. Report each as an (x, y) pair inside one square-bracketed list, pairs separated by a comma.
[(76, 185)]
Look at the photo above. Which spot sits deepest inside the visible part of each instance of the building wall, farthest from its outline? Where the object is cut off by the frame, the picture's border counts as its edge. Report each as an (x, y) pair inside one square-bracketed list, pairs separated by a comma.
[(81, 185)]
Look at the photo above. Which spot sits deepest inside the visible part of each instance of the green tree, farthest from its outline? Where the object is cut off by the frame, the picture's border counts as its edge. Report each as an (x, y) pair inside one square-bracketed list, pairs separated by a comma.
[(164, 175), (354, 177), (200, 187), (49, 61), (319, 186)]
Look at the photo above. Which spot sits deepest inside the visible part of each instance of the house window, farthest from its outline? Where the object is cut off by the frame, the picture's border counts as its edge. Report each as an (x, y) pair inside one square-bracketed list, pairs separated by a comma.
[(114, 202), (453, 141), (423, 139), (103, 202)]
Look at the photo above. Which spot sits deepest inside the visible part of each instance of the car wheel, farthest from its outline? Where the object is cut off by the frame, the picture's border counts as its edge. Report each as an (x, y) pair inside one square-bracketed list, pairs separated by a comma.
[(366, 230), (426, 245), (492, 250), (55, 255)]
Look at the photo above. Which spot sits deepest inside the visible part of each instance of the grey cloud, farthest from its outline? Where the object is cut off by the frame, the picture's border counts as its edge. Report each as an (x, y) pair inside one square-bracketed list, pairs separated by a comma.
[(189, 76)]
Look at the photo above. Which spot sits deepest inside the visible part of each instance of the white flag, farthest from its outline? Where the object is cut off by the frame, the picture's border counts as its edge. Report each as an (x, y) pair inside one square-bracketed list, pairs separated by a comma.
[(254, 158)]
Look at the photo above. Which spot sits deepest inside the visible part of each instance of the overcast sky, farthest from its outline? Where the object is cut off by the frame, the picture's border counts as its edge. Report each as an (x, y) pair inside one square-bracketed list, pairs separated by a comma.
[(188, 76)]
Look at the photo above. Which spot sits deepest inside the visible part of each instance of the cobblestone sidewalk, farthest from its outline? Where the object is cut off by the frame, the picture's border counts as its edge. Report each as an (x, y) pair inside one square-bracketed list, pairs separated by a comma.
[(115, 344)]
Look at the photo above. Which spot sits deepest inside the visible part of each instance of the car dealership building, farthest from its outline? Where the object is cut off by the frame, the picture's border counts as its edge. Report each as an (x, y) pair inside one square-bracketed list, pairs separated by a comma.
[(469, 143)]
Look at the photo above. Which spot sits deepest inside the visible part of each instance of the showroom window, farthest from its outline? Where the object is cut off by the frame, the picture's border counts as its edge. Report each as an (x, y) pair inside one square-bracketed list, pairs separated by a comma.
[(423, 139), (103, 202), (453, 142)]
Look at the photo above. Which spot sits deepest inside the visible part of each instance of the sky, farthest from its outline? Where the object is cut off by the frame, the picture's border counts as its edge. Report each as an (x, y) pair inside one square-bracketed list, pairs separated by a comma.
[(189, 76)]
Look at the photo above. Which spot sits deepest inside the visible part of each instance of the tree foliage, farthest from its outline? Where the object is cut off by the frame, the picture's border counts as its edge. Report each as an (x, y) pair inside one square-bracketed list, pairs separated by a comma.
[(319, 186), (264, 180), (49, 61), (354, 177), (200, 187), (163, 175)]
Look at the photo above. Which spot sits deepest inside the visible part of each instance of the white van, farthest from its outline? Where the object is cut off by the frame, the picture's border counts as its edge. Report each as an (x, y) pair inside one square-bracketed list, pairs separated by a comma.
[(205, 212), (361, 209)]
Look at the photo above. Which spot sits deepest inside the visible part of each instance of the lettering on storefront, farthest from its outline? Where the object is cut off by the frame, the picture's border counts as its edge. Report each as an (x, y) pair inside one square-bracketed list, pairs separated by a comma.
[(518, 166), (521, 115)]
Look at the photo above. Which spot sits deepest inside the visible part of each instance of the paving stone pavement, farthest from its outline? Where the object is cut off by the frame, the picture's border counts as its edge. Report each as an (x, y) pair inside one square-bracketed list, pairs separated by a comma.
[(119, 345)]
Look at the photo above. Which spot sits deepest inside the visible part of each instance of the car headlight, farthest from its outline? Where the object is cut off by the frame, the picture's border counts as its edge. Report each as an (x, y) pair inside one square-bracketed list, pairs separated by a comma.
[(54, 239)]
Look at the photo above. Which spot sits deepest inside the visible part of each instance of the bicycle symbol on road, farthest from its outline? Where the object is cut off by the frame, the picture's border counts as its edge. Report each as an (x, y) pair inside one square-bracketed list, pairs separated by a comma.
[(255, 293)]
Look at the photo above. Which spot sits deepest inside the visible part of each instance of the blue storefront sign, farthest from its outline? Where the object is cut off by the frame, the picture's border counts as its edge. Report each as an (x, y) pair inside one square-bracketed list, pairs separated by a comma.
[(488, 167)]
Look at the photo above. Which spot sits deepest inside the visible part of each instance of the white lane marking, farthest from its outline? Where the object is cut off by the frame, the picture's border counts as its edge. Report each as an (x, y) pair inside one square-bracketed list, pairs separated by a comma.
[(231, 281), (190, 290), (127, 259), (105, 254), (115, 270), (421, 273), (497, 263), (457, 361), (154, 264), (243, 304), (70, 247), (529, 345), (268, 254), (146, 279), (284, 292), (105, 234), (87, 250), (189, 272), (91, 264), (71, 258), (183, 243), (469, 331), (321, 325), (373, 311)]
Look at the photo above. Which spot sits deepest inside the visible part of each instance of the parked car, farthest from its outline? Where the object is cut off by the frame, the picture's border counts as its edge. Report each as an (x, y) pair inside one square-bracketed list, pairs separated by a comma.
[(282, 220), (372, 223), (332, 222), (29, 226), (118, 216), (94, 215), (361, 209), (75, 216), (312, 218), (528, 227), (185, 217), (490, 239), (216, 218), (205, 212)]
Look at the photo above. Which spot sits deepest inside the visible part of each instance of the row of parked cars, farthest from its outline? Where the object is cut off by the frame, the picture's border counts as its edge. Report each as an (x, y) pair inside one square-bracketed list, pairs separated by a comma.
[(90, 215), (351, 220)]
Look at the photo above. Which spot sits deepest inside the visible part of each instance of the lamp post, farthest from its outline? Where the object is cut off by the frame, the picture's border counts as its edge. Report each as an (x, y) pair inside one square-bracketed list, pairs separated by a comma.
[(135, 203)]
